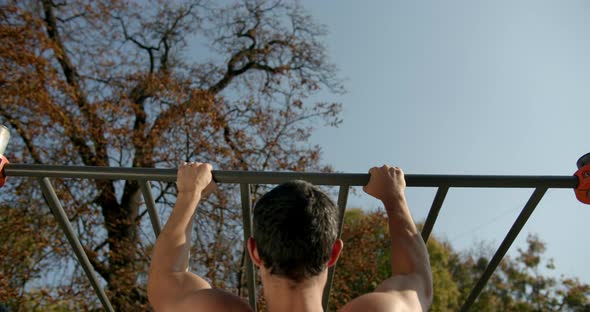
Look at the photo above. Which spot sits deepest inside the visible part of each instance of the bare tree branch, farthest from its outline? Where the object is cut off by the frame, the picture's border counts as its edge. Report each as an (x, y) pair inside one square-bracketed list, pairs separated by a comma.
[(27, 140), (72, 77)]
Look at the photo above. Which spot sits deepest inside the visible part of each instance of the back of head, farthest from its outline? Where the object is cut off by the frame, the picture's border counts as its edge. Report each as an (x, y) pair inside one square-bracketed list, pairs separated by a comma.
[(295, 226)]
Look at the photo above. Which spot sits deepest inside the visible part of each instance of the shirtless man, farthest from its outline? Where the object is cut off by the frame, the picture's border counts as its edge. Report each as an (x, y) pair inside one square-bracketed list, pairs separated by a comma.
[(294, 243)]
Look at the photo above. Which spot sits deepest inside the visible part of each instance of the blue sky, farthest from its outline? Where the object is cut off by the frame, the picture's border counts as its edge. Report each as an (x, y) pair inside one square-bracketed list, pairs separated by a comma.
[(467, 87)]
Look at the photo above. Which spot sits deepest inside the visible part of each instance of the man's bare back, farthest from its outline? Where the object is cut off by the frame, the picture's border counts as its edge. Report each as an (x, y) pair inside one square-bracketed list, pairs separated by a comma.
[(172, 288)]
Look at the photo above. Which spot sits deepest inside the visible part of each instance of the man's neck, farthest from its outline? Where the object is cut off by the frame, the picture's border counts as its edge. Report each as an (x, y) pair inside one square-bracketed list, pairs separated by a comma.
[(282, 294)]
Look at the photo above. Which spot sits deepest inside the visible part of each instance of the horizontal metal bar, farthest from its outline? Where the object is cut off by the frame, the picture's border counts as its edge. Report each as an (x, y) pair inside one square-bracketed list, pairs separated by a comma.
[(258, 177), (521, 220), (66, 226), (91, 172)]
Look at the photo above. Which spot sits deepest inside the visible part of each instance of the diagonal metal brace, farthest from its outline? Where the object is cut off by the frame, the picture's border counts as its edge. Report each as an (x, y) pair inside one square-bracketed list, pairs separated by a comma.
[(508, 240), (66, 226)]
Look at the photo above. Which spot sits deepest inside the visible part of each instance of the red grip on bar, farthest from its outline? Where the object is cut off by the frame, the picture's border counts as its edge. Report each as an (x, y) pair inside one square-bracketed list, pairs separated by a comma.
[(3, 161), (583, 188)]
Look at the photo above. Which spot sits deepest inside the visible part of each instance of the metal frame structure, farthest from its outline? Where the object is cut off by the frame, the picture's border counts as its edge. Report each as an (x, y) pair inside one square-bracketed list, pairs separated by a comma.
[(443, 183)]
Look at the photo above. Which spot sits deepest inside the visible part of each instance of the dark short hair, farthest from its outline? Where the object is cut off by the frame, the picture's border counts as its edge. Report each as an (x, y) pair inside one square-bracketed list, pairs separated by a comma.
[(295, 227)]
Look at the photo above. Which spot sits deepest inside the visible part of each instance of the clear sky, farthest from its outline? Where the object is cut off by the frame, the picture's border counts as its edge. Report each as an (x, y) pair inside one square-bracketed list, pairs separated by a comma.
[(467, 87)]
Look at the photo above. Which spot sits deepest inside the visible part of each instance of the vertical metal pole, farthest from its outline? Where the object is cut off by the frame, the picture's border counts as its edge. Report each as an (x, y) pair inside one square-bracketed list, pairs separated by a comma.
[(247, 219), (150, 204), (342, 198), (433, 213), (510, 237), (66, 226)]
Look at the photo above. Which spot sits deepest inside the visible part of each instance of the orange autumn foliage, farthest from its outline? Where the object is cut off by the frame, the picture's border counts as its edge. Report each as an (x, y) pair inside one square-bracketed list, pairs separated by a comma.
[(127, 83)]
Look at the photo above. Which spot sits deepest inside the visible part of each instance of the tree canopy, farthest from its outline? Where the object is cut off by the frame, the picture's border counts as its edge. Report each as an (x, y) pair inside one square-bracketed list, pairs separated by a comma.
[(521, 283), (124, 83)]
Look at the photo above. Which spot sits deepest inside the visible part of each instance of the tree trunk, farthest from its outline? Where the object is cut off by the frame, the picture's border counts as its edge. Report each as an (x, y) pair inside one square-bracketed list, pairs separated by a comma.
[(122, 231)]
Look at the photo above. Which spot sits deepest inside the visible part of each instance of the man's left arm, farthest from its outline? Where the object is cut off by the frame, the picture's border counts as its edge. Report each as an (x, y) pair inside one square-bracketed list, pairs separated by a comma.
[(169, 280)]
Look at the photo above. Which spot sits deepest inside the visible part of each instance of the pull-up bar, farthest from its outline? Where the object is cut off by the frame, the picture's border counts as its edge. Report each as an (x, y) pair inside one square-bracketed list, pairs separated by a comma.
[(269, 177), (580, 182)]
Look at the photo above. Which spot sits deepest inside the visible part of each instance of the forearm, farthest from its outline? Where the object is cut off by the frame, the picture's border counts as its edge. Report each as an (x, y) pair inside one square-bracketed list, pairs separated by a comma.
[(410, 283), (169, 280), (171, 251), (409, 253)]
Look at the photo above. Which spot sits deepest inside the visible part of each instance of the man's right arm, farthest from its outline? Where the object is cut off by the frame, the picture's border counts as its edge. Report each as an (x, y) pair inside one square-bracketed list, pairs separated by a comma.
[(410, 286)]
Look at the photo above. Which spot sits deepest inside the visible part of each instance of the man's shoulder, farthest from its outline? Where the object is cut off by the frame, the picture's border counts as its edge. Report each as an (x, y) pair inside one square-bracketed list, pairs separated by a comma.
[(401, 301), (212, 299)]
